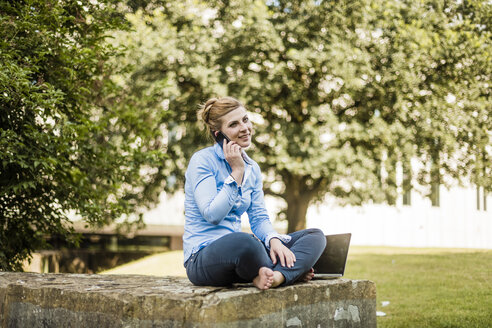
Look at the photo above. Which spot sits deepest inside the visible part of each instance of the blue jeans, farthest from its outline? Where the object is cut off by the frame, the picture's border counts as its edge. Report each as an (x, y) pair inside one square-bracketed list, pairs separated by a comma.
[(237, 257)]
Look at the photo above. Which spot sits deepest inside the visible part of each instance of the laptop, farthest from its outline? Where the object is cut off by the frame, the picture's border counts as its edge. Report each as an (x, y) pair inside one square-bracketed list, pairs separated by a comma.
[(331, 263)]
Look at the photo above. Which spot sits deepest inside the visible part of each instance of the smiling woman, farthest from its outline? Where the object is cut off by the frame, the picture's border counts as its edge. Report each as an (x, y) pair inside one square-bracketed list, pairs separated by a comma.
[(237, 127), (223, 182), (230, 117)]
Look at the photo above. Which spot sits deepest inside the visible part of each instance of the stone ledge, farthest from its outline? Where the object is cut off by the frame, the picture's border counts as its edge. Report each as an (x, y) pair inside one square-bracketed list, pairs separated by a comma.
[(81, 300)]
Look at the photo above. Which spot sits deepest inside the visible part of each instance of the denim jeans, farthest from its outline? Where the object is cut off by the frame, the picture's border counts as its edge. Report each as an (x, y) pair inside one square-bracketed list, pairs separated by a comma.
[(237, 257)]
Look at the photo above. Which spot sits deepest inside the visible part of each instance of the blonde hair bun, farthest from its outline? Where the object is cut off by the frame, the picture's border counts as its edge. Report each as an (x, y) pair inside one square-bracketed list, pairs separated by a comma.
[(213, 109)]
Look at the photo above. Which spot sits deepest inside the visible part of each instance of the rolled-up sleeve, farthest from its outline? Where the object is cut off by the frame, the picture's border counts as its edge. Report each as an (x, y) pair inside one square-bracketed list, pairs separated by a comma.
[(213, 205)]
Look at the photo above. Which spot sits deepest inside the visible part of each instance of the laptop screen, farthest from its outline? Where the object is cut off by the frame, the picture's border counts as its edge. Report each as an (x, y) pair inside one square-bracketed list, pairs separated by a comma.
[(334, 257)]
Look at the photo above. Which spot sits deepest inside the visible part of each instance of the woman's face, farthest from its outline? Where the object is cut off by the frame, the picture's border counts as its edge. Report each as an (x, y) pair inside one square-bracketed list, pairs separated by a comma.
[(237, 126)]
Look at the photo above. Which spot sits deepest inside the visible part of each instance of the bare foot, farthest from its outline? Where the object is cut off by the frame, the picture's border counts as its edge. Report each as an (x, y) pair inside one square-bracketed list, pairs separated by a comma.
[(278, 278), (264, 279), (307, 276)]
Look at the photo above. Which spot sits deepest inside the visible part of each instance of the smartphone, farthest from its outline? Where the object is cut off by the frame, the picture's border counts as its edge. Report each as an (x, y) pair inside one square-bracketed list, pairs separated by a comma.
[(220, 137)]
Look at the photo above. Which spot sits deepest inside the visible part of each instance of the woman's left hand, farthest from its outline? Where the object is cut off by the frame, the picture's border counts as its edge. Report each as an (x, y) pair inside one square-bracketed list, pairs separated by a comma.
[(284, 254)]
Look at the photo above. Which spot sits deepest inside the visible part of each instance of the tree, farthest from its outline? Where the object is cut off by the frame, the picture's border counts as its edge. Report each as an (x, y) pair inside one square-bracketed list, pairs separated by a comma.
[(65, 147), (167, 73), (348, 89), (187, 45), (340, 91), (305, 69)]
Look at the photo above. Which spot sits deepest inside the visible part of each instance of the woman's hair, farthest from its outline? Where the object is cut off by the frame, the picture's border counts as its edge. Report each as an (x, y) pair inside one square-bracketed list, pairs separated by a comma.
[(213, 109)]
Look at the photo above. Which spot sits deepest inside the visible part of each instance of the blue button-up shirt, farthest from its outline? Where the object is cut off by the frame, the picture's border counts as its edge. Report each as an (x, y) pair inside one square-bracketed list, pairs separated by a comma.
[(214, 202)]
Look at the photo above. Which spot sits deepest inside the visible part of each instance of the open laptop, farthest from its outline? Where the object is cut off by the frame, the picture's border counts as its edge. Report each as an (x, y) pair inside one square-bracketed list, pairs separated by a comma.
[(331, 263)]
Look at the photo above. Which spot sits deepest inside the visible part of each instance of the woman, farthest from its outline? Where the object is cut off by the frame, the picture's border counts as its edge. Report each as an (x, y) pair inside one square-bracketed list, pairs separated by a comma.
[(222, 183)]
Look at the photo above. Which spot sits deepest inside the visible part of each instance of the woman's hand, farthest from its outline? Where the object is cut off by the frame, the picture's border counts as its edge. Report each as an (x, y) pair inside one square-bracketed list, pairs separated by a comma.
[(284, 254), (233, 155)]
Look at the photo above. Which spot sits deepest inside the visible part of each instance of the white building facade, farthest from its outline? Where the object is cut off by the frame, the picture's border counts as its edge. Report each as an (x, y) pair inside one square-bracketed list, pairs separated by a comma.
[(462, 219)]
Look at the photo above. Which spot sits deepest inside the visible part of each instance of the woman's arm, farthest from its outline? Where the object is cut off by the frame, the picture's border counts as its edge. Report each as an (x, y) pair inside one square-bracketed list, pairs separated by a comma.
[(263, 228), (258, 214), (213, 206)]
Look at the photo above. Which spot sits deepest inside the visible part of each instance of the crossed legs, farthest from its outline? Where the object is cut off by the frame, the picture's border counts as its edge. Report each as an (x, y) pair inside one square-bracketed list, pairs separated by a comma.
[(240, 257)]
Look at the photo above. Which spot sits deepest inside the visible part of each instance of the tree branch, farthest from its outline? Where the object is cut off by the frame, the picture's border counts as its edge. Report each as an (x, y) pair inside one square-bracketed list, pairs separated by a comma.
[(269, 191)]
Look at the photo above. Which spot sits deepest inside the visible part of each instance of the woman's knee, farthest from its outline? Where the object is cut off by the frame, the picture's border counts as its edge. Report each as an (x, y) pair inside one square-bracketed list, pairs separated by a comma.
[(315, 231), (238, 239), (248, 245), (319, 235), (239, 243)]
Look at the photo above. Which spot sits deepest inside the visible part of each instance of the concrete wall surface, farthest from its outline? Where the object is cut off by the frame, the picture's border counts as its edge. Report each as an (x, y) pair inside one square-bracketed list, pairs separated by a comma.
[(81, 300)]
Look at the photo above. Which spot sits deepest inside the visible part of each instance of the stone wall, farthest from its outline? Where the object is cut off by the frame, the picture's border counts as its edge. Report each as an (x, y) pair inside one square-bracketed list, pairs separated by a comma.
[(80, 300)]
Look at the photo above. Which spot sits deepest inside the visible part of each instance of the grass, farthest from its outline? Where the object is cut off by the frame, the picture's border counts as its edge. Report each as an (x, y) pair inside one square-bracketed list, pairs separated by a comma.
[(438, 288), (162, 264), (427, 287)]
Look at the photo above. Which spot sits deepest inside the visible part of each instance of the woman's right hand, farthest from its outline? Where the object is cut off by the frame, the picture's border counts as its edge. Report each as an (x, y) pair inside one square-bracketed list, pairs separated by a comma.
[(233, 156)]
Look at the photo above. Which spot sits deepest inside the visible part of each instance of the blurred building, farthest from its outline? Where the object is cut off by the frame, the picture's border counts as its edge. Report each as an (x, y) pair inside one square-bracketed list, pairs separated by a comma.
[(455, 217), (458, 217)]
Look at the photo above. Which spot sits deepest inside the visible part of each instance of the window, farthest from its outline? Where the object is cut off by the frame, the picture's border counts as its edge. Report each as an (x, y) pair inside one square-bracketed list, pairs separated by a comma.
[(434, 195), (407, 183), (481, 199), (407, 197)]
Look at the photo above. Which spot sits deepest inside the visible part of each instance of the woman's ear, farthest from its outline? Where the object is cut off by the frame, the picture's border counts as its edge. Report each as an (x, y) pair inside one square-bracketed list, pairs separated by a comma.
[(215, 133)]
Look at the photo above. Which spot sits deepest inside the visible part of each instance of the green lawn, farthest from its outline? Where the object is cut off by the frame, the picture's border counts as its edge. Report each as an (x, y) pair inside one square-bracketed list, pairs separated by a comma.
[(427, 287), (424, 287)]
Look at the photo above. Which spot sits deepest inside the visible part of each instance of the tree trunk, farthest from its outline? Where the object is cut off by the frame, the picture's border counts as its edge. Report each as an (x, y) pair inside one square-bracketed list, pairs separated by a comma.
[(298, 196)]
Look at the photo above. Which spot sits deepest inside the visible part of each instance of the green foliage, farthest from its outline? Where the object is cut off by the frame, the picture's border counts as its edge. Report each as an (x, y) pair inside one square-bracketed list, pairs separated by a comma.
[(340, 91), (63, 150), (167, 71)]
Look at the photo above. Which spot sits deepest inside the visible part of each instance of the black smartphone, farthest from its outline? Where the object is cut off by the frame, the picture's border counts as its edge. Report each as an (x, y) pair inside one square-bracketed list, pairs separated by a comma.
[(220, 137)]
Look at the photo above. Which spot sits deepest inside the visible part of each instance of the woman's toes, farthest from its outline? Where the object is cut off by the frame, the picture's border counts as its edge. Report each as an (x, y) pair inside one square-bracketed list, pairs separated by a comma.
[(264, 279)]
